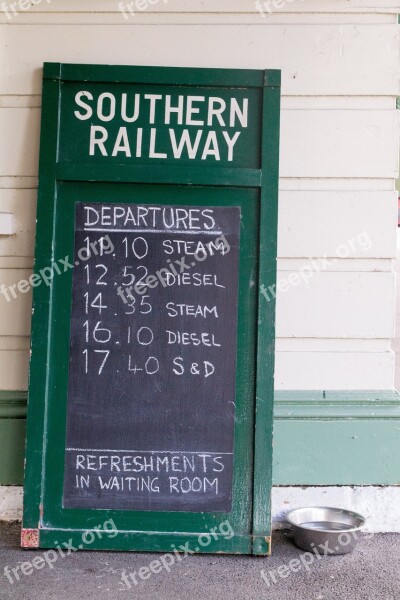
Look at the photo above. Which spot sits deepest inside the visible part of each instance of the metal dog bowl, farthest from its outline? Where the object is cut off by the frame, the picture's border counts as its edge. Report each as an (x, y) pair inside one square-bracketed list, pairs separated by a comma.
[(325, 530)]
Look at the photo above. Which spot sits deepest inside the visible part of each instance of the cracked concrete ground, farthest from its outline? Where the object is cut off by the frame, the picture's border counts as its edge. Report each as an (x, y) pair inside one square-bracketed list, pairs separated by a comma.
[(371, 572)]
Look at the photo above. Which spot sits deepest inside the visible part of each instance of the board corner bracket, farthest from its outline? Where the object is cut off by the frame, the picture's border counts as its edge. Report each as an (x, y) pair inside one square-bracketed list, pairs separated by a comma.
[(29, 538)]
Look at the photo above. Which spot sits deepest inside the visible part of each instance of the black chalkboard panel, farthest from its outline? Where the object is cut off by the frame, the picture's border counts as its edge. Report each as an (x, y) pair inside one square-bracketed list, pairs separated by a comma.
[(151, 396)]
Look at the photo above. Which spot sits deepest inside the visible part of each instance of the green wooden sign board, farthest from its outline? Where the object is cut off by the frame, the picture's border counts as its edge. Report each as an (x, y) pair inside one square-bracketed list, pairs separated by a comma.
[(152, 364)]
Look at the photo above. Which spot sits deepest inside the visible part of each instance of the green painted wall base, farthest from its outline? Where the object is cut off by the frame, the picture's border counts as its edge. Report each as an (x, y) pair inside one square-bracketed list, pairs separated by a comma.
[(320, 438), (337, 438), (12, 436)]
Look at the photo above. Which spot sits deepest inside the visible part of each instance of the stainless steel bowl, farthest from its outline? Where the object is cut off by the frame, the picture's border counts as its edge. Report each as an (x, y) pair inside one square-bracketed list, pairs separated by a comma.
[(325, 530)]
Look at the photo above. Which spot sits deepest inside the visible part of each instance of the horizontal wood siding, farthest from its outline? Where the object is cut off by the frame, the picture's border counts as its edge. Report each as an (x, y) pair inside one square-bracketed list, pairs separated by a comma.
[(339, 160)]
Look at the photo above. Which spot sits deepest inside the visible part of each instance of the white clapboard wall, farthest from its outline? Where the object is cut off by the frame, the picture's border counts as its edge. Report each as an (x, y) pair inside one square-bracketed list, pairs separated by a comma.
[(339, 157)]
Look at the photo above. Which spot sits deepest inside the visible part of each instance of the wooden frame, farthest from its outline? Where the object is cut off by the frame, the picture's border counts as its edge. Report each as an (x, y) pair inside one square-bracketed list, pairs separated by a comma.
[(41, 508)]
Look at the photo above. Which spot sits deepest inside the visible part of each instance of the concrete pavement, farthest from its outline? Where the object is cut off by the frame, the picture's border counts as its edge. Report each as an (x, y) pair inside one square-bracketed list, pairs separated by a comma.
[(371, 572)]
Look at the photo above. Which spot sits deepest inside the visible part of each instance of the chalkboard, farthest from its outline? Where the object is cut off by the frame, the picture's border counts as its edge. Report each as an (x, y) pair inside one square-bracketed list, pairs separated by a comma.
[(152, 368)]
